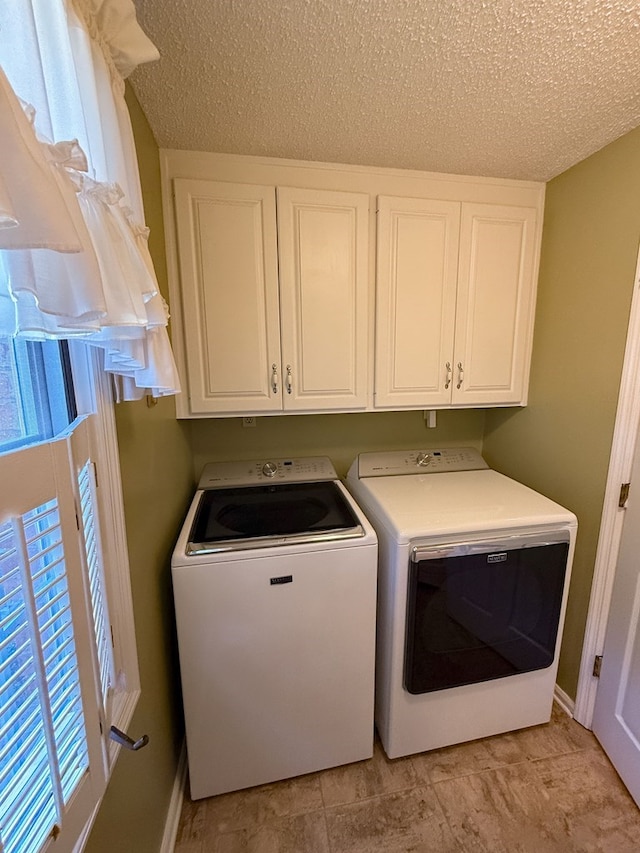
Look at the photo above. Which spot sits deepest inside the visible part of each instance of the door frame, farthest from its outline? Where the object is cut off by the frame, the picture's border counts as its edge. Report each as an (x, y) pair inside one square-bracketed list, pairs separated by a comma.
[(627, 426)]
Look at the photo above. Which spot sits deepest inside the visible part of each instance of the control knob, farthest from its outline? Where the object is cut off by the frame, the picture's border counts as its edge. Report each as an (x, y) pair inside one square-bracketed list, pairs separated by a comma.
[(269, 469), (423, 459)]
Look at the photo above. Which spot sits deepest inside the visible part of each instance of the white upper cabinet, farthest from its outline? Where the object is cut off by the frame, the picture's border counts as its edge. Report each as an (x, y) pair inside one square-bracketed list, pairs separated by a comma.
[(274, 304), (324, 287), (316, 287), (230, 308), (455, 299)]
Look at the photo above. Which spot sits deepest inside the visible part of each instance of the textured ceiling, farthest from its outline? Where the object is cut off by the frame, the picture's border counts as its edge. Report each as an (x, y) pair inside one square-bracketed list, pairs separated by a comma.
[(507, 88)]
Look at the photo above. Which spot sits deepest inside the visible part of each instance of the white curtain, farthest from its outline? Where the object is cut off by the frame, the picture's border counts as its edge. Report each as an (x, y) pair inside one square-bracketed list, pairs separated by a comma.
[(74, 260)]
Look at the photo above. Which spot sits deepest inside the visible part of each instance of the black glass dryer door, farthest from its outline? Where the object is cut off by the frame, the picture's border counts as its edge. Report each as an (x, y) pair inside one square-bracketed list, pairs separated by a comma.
[(479, 616)]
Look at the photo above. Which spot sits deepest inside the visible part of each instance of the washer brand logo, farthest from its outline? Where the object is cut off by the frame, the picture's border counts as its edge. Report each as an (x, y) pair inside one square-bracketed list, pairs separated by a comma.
[(497, 558), (281, 580)]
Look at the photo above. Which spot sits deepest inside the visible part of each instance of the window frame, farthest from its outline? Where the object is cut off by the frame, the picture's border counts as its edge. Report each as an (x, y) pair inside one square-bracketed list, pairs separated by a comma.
[(39, 374), (93, 392)]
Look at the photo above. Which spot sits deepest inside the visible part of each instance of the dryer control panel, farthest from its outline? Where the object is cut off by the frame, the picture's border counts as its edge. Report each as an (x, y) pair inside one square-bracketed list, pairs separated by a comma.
[(306, 469), (432, 461)]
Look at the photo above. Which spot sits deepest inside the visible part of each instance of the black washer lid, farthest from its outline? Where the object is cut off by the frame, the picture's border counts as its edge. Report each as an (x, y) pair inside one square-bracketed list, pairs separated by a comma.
[(256, 516)]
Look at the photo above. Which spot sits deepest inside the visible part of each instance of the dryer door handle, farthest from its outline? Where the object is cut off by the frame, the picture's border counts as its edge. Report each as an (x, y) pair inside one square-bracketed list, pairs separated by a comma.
[(486, 546), (425, 553)]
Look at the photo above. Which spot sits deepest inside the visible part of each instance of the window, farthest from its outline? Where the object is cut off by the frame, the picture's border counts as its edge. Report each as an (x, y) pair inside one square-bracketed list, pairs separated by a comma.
[(36, 390), (68, 667), (52, 750), (59, 688)]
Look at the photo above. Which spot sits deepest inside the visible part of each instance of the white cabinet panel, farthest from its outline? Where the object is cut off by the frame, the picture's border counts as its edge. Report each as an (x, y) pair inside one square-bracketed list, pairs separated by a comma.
[(416, 300), (495, 304), (322, 244), (229, 273)]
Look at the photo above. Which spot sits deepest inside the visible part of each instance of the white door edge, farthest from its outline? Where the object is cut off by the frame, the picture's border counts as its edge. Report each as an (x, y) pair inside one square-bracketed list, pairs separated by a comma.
[(620, 461)]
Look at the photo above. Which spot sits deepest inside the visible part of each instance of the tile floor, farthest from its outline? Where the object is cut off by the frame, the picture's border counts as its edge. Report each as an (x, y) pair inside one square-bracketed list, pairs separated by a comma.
[(547, 789)]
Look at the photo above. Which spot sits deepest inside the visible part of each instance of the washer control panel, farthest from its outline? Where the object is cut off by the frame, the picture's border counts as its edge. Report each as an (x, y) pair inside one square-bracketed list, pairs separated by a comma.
[(308, 469), (433, 461)]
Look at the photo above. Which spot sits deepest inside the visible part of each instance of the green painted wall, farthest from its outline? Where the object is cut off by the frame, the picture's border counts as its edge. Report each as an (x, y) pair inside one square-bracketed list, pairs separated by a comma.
[(560, 444), (340, 437), (155, 462)]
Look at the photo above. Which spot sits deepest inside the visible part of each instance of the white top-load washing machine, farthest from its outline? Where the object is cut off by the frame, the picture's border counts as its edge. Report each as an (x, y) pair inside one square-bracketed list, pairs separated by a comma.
[(274, 581), (473, 579)]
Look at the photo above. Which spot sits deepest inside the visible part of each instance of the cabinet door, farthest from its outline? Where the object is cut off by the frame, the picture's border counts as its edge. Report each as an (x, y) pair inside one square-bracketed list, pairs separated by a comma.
[(494, 322), (229, 271), (416, 300), (324, 297)]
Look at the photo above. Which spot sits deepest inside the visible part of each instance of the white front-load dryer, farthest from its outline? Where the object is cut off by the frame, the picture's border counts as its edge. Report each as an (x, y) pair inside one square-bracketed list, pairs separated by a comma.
[(473, 578), (274, 582)]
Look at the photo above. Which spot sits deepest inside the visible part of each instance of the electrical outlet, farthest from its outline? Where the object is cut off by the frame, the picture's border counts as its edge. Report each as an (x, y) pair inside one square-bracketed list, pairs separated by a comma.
[(248, 422)]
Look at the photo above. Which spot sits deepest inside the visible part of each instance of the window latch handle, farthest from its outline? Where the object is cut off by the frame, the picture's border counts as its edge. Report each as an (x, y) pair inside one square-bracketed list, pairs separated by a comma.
[(124, 739)]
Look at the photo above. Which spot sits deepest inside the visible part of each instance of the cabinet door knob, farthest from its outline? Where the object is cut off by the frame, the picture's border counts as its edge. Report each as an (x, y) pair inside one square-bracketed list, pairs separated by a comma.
[(447, 381), (460, 374), (289, 380), (274, 378)]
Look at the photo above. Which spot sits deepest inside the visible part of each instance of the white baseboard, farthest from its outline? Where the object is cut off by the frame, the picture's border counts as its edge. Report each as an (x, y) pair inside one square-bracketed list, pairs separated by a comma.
[(175, 806), (564, 700)]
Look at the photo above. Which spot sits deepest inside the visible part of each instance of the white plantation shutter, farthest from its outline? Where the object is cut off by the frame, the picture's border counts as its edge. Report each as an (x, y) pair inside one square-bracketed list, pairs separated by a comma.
[(82, 461), (88, 517), (46, 739), (52, 759), (31, 787)]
